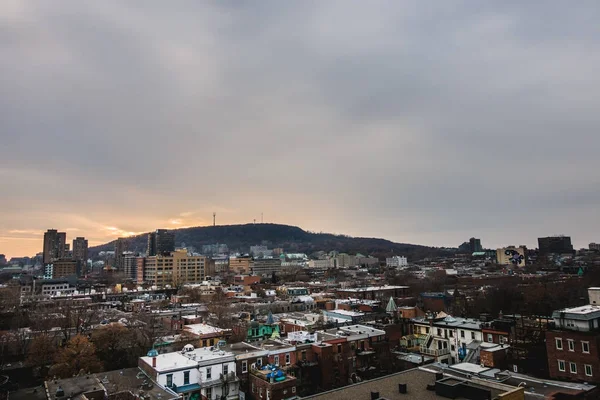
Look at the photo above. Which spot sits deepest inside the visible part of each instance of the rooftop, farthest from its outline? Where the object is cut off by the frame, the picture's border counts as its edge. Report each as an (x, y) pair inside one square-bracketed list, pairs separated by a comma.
[(455, 322), (187, 358), (203, 329), (130, 379), (417, 381), (534, 387), (372, 288), (245, 350), (345, 312), (588, 311)]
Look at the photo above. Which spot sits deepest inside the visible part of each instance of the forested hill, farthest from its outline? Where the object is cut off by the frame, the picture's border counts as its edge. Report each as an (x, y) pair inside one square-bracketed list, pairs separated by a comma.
[(290, 238)]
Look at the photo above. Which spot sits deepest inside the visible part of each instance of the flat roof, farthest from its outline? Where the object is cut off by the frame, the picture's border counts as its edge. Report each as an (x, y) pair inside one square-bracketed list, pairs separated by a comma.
[(452, 322), (202, 329), (345, 312), (416, 380), (586, 312), (372, 288), (245, 350), (129, 379)]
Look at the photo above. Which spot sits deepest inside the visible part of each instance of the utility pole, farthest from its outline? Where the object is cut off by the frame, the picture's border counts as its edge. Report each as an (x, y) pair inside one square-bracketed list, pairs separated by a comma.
[(214, 218), (261, 218)]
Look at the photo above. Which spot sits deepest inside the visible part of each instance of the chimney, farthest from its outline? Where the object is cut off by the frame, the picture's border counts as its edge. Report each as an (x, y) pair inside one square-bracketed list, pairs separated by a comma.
[(402, 388), (153, 362), (374, 395)]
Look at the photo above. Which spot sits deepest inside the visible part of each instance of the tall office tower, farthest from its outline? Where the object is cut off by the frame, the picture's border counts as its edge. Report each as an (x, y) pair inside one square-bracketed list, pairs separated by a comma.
[(165, 241), (160, 242), (555, 244), (121, 246), (54, 245)]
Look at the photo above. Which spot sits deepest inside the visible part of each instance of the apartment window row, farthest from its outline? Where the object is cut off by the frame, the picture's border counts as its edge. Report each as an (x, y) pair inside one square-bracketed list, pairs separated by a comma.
[(585, 345), (573, 367)]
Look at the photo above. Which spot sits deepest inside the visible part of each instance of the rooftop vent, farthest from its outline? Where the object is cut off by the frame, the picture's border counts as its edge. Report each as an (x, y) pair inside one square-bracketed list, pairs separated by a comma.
[(374, 395)]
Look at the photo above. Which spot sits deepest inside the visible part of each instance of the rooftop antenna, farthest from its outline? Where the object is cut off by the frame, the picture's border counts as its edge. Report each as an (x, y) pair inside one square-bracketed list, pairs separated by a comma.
[(214, 218)]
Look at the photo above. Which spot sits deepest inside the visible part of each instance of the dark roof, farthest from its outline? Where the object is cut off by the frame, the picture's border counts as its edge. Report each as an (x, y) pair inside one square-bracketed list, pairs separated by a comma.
[(387, 387)]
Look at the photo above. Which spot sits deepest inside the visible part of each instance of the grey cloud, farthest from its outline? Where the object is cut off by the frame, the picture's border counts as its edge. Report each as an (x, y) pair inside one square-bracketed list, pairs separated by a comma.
[(419, 122)]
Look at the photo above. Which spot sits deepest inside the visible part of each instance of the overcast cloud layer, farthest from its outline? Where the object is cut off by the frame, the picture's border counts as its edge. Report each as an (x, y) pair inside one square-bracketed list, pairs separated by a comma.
[(420, 122)]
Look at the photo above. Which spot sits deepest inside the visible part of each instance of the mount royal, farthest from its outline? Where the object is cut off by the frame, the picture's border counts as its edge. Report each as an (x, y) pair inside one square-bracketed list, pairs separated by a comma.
[(292, 239)]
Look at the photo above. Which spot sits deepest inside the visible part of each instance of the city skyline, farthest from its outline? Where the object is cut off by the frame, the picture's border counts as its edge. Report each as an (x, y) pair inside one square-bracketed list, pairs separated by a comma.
[(418, 123)]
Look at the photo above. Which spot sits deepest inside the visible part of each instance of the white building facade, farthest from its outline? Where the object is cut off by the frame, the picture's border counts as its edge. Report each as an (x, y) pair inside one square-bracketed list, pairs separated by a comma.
[(208, 372), (396, 262)]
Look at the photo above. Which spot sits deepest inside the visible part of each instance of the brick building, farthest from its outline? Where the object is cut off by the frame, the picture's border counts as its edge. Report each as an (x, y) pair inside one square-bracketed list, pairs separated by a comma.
[(573, 346)]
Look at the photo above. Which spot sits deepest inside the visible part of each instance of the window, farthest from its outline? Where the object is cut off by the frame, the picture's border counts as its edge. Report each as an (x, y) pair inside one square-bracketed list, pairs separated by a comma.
[(473, 335), (276, 358), (169, 380), (339, 348), (225, 369), (259, 362), (451, 333), (588, 370), (561, 365), (204, 343), (303, 355), (208, 373), (490, 338), (426, 330), (287, 358), (558, 344), (244, 367), (439, 332), (209, 393), (452, 348), (571, 344), (573, 367), (585, 347), (462, 334), (186, 377)]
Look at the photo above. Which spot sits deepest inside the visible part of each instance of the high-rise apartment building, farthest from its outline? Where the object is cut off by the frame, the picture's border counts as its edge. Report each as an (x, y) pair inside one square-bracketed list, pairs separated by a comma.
[(129, 262), (475, 245), (121, 246), (161, 241), (174, 269), (595, 246), (54, 245), (80, 249)]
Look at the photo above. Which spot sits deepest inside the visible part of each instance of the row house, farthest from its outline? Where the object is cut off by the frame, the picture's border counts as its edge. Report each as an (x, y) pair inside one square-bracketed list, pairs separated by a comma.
[(448, 339), (255, 357), (381, 293), (209, 373)]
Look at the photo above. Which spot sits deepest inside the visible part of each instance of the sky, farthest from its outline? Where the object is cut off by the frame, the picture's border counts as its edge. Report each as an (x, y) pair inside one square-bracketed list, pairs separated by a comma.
[(420, 122)]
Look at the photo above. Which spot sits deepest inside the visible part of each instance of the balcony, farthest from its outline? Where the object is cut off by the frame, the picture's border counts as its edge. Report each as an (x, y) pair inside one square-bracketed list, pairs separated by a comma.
[(434, 352)]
